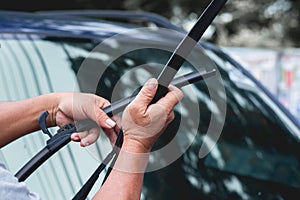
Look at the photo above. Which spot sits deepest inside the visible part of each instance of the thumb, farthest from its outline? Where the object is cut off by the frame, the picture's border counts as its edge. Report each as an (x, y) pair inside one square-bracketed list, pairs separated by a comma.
[(147, 93)]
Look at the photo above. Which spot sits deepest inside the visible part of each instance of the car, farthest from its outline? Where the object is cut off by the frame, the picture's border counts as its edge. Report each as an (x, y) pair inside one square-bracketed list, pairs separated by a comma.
[(231, 138)]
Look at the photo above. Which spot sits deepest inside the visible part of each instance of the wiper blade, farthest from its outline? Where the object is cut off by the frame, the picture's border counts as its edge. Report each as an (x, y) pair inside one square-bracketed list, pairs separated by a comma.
[(62, 137)]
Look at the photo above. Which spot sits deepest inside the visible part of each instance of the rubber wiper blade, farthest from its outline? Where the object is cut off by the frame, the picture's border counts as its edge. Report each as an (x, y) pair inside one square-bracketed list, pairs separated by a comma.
[(62, 137)]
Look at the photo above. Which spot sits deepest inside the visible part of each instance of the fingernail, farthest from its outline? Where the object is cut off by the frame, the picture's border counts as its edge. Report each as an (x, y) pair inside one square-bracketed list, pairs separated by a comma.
[(87, 144), (151, 83), (110, 122)]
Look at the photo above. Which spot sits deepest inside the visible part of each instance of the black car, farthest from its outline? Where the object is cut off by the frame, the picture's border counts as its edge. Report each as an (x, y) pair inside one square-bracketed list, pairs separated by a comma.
[(231, 139)]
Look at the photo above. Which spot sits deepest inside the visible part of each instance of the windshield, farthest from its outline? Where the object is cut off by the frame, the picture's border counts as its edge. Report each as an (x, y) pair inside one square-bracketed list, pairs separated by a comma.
[(258, 141)]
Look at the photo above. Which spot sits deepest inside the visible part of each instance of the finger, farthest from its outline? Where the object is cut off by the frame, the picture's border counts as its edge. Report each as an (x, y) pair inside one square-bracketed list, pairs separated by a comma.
[(171, 98), (111, 134), (62, 119), (98, 115), (84, 138), (76, 137), (117, 118), (147, 93), (170, 118), (91, 137), (103, 120)]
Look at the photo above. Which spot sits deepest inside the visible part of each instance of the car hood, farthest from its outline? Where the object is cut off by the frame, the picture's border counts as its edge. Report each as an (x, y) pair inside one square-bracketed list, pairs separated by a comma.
[(11, 21), (71, 26)]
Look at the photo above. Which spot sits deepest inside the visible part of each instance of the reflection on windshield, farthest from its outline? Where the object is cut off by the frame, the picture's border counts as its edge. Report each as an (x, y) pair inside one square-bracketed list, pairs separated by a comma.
[(257, 141)]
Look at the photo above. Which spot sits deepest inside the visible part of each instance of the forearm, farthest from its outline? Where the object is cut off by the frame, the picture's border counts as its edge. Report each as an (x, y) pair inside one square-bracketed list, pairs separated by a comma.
[(121, 186), (17, 118), (126, 179), (142, 124)]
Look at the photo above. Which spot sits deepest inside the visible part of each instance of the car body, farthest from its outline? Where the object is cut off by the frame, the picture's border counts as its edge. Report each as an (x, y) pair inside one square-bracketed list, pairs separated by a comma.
[(256, 155)]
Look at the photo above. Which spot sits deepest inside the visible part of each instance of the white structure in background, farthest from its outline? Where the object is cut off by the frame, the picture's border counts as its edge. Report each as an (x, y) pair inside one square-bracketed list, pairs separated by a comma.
[(279, 71), (289, 86)]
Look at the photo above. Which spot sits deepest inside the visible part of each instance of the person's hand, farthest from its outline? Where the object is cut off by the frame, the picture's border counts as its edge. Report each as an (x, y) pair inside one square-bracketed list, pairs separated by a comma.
[(142, 123), (79, 106)]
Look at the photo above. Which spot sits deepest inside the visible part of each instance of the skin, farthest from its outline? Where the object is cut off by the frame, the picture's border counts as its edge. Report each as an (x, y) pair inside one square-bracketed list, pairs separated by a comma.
[(142, 124)]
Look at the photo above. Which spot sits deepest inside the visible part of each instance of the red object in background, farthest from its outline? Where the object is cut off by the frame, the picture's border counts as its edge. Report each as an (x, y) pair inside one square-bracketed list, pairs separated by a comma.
[(288, 77)]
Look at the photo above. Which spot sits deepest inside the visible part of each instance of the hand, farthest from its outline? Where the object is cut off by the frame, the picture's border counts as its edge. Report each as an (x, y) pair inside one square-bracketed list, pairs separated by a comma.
[(143, 123), (79, 106)]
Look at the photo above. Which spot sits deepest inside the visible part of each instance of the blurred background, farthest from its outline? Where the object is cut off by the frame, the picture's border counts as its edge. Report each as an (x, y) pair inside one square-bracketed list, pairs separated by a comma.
[(264, 36)]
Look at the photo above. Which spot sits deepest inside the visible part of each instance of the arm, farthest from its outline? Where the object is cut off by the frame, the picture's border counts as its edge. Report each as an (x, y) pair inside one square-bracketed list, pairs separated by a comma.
[(142, 125), (18, 118)]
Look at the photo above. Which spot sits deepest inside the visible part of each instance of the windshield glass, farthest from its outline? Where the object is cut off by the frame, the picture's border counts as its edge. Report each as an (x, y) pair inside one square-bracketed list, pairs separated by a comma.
[(258, 141)]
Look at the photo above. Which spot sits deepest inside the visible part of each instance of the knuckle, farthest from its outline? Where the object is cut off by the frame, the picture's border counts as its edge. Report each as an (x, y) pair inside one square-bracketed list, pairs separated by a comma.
[(146, 94)]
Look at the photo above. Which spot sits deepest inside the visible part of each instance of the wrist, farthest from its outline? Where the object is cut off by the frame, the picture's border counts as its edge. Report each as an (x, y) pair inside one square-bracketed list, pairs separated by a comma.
[(54, 100), (131, 144), (129, 161)]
